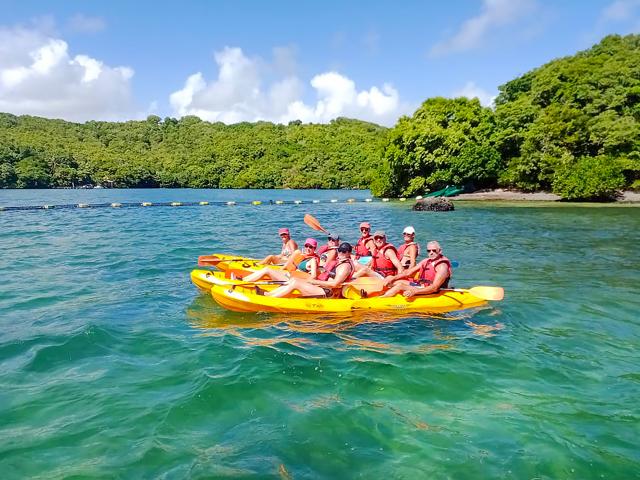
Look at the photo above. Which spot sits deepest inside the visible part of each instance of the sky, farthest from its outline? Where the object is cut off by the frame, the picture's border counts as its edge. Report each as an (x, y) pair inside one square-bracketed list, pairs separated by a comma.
[(278, 61)]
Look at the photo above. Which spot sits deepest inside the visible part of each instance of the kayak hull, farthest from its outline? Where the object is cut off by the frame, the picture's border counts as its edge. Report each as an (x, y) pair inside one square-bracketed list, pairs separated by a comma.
[(246, 299)]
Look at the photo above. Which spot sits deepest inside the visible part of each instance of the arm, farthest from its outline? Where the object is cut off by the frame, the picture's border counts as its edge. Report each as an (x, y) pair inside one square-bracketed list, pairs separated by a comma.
[(413, 254), (313, 271), (293, 246), (442, 272), (341, 275), (409, 272), (391, 255)]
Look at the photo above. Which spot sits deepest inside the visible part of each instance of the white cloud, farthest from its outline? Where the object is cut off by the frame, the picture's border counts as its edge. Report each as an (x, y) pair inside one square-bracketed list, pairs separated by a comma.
[(620, 10), (39, 77), (238, 94), (495, 13), (85, 24), (471, 90)]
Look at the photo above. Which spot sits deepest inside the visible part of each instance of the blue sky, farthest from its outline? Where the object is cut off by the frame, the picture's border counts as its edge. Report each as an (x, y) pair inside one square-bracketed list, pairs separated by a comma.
[(281, 60)]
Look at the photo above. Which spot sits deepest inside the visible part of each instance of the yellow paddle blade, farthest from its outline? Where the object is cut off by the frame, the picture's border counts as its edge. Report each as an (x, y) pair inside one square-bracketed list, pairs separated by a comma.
[(487, 293)]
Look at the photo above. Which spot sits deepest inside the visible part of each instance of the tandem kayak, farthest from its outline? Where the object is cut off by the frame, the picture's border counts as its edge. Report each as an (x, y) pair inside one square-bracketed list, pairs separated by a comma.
[(245, 298)]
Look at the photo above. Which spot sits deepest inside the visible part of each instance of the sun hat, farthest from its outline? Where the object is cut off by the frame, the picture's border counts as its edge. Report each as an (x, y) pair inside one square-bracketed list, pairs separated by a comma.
[(365, 225), (283, 231), (380, 233), (311, 241), (410, 230), (333, 236)]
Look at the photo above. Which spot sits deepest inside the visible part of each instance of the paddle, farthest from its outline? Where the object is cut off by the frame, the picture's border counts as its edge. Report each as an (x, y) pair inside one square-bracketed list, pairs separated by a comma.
[(311, 221), (213, 260), (485, 293)]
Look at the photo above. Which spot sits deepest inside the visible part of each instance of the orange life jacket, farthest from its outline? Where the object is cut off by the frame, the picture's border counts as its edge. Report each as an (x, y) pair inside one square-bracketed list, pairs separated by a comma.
[(427, 272), (382, 264)]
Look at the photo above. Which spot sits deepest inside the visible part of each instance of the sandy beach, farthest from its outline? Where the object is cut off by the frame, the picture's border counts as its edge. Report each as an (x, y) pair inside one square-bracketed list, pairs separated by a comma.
[(513, 195)]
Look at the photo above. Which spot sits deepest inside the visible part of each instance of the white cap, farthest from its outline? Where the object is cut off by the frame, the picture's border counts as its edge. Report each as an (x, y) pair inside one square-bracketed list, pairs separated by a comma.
[(410, 230)]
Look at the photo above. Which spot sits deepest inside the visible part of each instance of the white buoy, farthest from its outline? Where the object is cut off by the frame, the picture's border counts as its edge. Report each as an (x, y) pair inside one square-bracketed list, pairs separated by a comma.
[(116, 205), (279, 202), (368, 200), (333, 200), (176, 204), (231, 203), (83, 205), (47, 207), (385, 199), (297, 202), (146, 204), (419, 197), (315, 201)]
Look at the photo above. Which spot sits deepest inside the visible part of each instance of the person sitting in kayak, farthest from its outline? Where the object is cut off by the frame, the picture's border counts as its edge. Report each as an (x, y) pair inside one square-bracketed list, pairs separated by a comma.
[(307, 261), (327, 285), (365, 245), (288, 247), (329, 252), (409, 251), (434, 273)]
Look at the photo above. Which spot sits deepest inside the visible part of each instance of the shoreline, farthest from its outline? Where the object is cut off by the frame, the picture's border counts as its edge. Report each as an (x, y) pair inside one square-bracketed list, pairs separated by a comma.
[(500, 194)]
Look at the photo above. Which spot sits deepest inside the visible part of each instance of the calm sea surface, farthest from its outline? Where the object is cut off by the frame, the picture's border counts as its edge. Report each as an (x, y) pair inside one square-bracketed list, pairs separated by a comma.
[(113, 365)]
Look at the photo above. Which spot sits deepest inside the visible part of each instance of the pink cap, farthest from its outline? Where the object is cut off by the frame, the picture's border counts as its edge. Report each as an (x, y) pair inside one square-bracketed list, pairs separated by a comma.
[(365, 225), (283, 231), (311, 241)]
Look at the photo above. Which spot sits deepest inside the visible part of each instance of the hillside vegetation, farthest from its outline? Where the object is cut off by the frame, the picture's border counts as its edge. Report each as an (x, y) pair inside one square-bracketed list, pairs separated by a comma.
[(571, 126)]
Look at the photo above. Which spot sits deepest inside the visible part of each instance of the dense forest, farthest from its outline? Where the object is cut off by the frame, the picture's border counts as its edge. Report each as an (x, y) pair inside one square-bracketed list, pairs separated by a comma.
[(571, 126)]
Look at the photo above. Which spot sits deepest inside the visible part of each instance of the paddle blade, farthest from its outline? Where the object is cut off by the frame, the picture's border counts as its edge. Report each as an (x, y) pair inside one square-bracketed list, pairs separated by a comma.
[(312, 222), (488, 293), (208, 260)]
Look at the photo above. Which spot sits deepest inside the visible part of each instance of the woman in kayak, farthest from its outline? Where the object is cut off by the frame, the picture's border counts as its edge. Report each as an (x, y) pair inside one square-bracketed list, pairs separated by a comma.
[(434, 274), (328, 285), (384, 262), (307, 261), (409, 250), (288, 247), (329, 252)]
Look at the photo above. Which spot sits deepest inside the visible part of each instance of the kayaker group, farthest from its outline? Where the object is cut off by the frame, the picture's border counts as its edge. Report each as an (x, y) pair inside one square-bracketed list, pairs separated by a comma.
[(328, 267)]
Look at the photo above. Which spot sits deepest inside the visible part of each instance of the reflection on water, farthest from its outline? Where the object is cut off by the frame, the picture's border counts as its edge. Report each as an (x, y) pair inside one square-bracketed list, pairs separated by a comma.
[(350, 330)]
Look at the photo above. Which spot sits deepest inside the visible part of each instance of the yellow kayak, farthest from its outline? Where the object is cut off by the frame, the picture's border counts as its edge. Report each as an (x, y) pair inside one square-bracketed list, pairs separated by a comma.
[(205, 279), (244, 298)]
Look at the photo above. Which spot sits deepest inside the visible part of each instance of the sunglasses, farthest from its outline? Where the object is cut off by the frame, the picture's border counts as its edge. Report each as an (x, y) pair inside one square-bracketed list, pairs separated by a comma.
[(430, 250), (405, 233), (284, 235), (309, 246), (365, 229), (378, 238)]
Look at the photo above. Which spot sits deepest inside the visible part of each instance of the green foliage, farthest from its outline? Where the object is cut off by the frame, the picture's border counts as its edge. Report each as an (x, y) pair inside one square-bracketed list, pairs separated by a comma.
[(445, 142), (36, 152), (589, 178)]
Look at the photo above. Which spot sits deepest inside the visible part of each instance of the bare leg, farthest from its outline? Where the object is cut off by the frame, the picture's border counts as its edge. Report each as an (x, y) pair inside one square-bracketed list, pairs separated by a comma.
[(366, 272), (305, 289), (398, 287), (270, 273)]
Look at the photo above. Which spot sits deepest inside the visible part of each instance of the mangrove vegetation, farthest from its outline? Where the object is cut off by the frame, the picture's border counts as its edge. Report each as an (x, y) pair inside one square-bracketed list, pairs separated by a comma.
[(571, 126)]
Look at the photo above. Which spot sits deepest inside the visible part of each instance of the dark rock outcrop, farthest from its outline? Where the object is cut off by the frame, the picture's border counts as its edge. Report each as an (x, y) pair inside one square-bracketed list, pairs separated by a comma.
[(435, 204)]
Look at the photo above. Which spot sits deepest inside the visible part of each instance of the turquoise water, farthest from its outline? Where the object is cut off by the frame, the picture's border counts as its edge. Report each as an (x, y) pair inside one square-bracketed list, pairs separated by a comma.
[(113, 365)]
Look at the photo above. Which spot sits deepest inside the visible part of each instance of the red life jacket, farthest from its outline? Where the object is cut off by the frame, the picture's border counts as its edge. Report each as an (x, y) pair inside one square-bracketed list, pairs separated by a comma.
[(427, 272), (361, 247), (331, 267), (403, 248), (382, 264)]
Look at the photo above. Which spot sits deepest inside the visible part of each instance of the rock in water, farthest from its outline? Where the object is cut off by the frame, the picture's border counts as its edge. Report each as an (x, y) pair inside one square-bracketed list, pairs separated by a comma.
[(437, 204)]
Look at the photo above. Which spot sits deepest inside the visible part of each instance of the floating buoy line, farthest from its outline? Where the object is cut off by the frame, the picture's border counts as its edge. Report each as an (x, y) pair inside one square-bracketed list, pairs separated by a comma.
[(187, 204)]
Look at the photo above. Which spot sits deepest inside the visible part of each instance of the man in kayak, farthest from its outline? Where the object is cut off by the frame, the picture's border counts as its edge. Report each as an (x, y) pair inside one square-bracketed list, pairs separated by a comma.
[(328, 285), (307, 261), (409, 250), (365, 245), (434, 273), (288, 247), (385, 260)]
